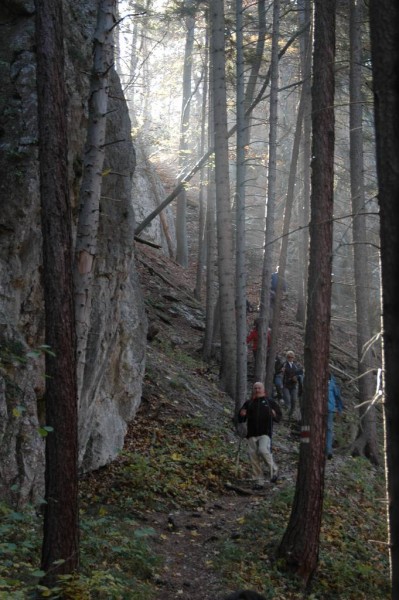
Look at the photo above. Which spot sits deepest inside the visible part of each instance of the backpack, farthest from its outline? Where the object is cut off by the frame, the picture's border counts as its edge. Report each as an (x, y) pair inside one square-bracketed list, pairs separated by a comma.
[(278, 364)]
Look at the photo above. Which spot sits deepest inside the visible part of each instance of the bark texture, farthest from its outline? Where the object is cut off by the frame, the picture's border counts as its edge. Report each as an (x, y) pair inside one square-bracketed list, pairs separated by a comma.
[(384, 25), (61, 533), (223, 208), (89, 209), (305, 16), (300, 543)]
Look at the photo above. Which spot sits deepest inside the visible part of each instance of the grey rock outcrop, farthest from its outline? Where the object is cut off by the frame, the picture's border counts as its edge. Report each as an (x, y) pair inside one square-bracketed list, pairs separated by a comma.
[(117, 339), (147, 195)]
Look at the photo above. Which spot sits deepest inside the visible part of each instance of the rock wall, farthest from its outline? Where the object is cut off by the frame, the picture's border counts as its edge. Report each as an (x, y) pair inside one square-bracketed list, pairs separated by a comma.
[(117, 341), (147, 195)]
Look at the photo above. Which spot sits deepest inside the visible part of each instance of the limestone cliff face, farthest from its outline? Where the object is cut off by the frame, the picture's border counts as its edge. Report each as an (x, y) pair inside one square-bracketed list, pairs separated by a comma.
[(117, 340)]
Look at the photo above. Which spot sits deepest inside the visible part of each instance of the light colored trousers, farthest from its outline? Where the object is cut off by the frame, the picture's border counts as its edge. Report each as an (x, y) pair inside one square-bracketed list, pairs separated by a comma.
[(259, 450)]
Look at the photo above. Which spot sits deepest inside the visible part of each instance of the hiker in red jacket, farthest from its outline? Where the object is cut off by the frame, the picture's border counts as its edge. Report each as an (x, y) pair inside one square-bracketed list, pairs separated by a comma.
[(253, 337)]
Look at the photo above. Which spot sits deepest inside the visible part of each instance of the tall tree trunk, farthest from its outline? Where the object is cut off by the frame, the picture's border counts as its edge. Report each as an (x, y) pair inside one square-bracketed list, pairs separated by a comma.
[(181, 210), (210, 234), (264, 310), (284, 245), (241, 304), (60, 550), (89, 201), (202, 212), (366, 442), (300, 544), (384, 26), (145, 95), (254, 72), (211, 277), (223, 208), (131, 86), (306, 66)]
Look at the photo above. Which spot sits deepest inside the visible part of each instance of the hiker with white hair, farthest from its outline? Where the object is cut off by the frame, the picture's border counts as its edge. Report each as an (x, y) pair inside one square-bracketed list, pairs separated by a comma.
[(260, 412)]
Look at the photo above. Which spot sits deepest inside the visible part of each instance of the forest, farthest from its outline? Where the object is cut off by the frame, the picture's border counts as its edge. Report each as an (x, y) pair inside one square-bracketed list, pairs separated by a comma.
[(198, 219)]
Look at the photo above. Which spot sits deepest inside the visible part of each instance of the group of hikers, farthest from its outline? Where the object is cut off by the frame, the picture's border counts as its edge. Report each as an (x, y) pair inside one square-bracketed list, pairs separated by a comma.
[(260, 412)]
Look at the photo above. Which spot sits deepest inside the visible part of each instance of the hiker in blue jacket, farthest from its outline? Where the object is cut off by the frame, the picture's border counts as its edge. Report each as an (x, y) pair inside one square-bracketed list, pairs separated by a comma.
[(334, 405)]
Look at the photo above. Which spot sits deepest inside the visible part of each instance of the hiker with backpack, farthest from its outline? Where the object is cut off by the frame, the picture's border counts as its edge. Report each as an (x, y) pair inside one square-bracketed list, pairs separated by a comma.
[(260, 412)]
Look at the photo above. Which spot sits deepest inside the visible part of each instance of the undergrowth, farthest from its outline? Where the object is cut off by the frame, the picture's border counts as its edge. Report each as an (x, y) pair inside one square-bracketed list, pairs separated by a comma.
[(116, 561), (353, 555), (184, 464)]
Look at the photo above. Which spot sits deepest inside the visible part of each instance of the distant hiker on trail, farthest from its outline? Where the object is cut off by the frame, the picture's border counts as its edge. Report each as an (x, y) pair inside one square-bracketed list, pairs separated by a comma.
[(250, 308), (260, 412), (253, 337), (274, 282), (273, 289), (291, 372), (278, 376), (334, 405)]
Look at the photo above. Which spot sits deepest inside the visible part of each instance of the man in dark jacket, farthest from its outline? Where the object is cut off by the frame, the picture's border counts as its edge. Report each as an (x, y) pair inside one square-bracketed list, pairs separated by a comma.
[(260, 412), (291, 372)]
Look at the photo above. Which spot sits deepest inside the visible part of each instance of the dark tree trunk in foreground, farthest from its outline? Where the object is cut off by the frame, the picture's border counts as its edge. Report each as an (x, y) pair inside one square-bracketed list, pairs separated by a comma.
[(61, 539), (384, 25), (300, 543)]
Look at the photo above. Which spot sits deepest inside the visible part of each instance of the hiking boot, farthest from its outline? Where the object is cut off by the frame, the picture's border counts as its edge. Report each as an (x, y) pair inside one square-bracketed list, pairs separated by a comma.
[(275, 477), (257, 486)]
